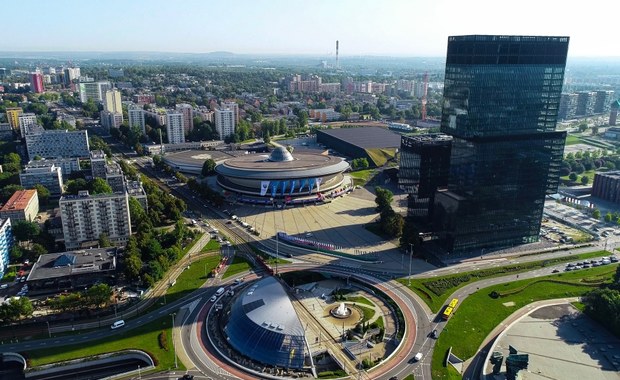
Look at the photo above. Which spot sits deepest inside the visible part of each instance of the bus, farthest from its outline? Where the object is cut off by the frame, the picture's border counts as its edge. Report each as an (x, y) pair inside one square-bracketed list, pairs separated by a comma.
[(449, 309)]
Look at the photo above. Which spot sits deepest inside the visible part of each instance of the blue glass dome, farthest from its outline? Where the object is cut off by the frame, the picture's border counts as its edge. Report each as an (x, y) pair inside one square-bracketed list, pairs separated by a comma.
[(264, 326)]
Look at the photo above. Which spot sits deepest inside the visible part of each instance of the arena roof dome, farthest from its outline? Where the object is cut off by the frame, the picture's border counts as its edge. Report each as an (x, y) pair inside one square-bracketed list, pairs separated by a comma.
[(264, 326)]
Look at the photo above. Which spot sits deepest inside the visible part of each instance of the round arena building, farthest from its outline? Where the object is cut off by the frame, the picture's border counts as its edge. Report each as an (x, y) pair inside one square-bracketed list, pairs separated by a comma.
[(264, 325), (281, 175)]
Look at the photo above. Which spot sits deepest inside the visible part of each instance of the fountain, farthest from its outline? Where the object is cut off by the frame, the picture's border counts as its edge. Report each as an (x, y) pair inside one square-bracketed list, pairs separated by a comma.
[(341, 311)]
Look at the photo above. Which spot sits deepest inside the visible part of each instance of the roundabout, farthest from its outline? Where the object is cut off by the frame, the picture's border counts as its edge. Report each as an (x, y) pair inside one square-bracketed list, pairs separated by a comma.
[(288, 332)]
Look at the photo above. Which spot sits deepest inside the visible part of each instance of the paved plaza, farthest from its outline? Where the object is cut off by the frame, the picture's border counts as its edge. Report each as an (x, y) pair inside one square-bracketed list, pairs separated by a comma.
[(340, 223), (562, 344)]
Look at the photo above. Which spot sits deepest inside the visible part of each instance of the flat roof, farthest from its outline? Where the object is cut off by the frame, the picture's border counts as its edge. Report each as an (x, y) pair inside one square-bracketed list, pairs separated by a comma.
[(71, 263), (19, 200), (365, 137)]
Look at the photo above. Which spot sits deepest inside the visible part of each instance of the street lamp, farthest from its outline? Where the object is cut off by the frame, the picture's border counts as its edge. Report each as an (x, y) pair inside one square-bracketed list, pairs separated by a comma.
[(410, 257), (176, 364), (49, 332)]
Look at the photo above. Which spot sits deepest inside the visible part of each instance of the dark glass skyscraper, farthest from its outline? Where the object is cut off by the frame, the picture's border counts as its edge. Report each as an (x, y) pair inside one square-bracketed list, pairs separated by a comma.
[(501, 101)]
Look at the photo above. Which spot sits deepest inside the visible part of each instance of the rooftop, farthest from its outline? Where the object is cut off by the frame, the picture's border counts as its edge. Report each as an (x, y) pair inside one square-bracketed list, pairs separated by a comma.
[(19, 200), (365, 137), (63, 264)]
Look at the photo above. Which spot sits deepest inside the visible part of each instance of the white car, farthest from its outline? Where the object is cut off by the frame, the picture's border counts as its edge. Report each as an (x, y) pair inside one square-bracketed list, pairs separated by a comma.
[(213, 299), (418, 357)]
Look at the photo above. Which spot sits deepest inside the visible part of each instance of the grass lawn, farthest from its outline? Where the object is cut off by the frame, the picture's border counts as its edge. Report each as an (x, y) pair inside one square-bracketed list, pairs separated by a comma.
[(369, 313), (409, 377), (360, 299), (239, 264), (190, 245), (361, 177), (434, 291), (589, 173), (469, 325), (192, 278), (212, 245), (572, 140), (142, 338)]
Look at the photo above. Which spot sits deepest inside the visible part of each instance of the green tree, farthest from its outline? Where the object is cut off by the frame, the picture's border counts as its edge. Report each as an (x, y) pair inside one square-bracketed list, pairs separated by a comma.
[(584, 180), (43, 193), (100, 186), (596, 214), (73, 186), (208, 168), (16, 309), (391, 223), (383, 198), (136, 212), (24, 230), (104, 240), (608, 217), (99, 295), (12, 158), (34, 252), (7, 191), (573, 176), (133, 266)]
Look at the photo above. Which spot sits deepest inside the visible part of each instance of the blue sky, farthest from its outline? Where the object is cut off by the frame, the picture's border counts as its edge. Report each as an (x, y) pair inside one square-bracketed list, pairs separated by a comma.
[(378, 27)]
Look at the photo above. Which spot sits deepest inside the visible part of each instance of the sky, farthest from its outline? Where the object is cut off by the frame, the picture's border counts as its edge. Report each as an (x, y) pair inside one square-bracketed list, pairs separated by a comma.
[(379, 27)]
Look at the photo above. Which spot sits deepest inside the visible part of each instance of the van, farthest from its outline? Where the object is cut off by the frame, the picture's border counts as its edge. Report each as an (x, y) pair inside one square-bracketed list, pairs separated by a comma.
[(220, 291), (418, 357), (117, 324)]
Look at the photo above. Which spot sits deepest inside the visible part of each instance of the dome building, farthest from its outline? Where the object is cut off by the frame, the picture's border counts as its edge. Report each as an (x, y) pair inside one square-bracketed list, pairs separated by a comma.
[(281, 175), (264, 326)]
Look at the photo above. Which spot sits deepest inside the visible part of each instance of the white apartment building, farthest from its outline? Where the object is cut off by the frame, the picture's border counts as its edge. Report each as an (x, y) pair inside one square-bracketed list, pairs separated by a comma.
[(112, 101), (235, 108), (85, 217), (68, 165), (26, 122), (111, 119), (57, 143), (136, 118), (93, 90), (225, 122), (43, 173), (174, 128), (188, 117)]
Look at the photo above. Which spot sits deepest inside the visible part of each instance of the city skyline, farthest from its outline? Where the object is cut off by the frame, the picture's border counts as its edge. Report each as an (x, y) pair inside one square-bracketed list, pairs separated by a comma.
[(391, 28)]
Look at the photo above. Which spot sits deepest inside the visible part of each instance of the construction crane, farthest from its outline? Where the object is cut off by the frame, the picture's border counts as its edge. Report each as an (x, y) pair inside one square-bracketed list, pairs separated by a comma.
[(424, 100)]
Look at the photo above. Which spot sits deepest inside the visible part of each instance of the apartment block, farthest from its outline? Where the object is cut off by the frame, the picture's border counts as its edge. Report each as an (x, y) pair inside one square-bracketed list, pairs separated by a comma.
[(224, 122), (136, 118), (85, 217), (46, 174), (174, 127), (57, 143), (188, 117), (6, 243), (23, 205), (26, 122), (93, 90), (12, 116)]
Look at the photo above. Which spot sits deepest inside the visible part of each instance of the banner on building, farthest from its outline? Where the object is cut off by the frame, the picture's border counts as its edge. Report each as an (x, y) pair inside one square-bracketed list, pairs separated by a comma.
[(264, 186)]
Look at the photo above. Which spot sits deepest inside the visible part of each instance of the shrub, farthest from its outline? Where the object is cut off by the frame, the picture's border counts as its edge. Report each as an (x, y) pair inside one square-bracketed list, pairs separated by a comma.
[(163, 340)]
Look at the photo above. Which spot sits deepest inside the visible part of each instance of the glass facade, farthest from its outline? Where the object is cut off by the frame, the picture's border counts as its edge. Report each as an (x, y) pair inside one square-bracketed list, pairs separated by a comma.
[(501, 101), (424, 166)]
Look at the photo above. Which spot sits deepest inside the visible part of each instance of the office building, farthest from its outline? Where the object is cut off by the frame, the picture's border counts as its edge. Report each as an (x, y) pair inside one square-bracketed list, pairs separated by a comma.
[(174, 128), (607, 186), (26, 122), (36, 83), (93, 90), (586, 100), (424, 167), (6, 243), (568, 106), (85, 217), (603, 101), (46, 174), (57, 143), (23, 205), (501, 100), (225, 122), (136, 118), (12, 116), (98, 163), (188, 117)]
